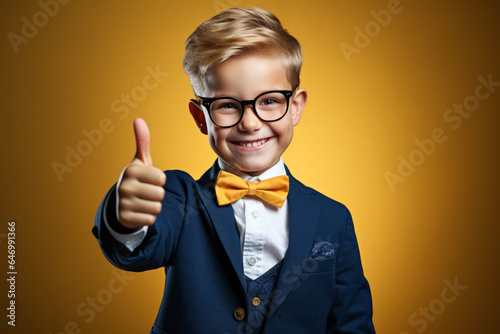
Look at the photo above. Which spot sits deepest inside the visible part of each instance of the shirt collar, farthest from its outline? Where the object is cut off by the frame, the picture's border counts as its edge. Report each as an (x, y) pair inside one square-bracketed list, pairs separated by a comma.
[(276, 170)]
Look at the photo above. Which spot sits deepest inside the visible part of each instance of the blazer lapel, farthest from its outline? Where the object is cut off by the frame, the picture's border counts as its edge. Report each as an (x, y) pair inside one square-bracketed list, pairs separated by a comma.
[(302, 218), (222, 218)]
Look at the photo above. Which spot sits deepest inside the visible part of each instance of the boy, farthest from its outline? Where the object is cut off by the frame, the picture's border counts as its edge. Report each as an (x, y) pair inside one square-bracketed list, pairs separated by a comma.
[(257, 253)]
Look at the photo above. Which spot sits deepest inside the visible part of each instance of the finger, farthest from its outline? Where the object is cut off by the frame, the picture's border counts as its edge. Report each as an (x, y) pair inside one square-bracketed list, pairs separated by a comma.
[(138, 205), (142, 142), (131, 219), (146, 174), (141, 190)]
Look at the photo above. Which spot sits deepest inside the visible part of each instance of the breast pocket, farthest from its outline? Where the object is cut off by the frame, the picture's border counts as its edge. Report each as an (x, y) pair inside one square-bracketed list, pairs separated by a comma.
[(316, 283), (319, 266)]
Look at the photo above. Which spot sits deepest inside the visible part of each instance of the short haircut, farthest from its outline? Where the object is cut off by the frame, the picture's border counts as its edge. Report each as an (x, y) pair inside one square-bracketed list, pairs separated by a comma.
[(234, 32)]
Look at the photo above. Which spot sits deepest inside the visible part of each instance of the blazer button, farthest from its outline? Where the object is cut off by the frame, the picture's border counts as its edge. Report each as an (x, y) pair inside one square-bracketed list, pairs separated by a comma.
[(256, 301), (239, 313)]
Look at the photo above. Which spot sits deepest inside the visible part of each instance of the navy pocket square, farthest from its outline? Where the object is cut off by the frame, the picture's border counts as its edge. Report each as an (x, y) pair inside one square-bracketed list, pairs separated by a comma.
[(322, 250)]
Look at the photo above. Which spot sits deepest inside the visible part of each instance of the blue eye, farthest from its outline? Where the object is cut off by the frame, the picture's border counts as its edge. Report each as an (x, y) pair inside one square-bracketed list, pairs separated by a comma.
[(268, 101), (227, 106)]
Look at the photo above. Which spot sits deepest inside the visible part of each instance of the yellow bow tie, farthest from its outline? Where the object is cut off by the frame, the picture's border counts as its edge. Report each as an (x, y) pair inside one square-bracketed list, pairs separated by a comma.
[(230, 188)]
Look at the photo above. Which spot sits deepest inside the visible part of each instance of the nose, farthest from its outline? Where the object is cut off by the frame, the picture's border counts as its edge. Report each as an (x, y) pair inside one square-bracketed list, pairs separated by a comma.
[(249, 122)]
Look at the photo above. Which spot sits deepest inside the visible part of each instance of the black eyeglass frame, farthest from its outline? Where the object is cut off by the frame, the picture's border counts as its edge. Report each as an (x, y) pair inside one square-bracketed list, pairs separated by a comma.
[(207, 102)]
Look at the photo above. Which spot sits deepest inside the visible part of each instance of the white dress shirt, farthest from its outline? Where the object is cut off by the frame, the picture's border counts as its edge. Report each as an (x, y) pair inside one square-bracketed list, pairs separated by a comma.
[(263, 227)]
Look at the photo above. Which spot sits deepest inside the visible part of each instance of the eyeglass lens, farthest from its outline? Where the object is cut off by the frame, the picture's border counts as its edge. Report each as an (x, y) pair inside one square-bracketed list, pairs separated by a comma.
[(269, 107)]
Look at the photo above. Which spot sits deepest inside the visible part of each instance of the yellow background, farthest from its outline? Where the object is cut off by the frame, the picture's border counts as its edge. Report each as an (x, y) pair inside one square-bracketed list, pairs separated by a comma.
[(440, 224)]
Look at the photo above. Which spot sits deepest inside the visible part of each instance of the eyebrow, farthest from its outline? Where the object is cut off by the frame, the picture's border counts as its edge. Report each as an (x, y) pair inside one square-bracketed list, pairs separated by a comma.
[(259, 93)]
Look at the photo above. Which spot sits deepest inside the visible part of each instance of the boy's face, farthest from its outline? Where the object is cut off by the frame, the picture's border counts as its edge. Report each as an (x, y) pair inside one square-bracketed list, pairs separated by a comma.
[(245, 77)]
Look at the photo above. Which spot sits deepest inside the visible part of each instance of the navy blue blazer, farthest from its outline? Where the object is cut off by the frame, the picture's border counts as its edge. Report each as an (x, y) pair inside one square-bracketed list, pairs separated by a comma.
[(197, 242)]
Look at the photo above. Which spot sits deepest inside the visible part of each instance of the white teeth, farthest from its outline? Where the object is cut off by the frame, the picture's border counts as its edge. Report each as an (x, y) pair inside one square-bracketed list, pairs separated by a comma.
[(254, 144)]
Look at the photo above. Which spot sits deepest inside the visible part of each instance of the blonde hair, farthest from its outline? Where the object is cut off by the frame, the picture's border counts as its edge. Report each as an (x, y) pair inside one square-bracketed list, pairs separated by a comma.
[(234, 32)]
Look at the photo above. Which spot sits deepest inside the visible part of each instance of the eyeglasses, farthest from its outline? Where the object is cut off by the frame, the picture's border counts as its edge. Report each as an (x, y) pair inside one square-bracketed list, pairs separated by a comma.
[(226, 112)]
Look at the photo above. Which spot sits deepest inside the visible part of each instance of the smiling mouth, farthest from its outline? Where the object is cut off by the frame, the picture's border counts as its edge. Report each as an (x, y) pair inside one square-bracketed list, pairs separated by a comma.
[(251, 143)]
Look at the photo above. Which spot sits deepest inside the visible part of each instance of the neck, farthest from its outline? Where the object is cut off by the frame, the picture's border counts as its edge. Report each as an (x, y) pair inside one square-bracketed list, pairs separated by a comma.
[(275, 170)]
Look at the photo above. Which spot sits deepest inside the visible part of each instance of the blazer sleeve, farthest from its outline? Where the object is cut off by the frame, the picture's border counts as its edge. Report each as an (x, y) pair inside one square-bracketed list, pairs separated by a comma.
[(161, 238), (352, 309)]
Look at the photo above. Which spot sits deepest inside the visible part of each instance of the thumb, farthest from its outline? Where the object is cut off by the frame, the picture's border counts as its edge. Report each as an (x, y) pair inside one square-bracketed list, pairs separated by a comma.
[(142, 141)]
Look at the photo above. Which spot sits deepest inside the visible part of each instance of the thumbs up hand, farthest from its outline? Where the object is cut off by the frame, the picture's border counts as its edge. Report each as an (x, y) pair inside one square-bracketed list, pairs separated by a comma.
[(141, 190)]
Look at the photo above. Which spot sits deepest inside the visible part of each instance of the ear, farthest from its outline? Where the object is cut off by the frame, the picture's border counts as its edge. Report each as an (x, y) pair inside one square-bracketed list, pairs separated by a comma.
[(297, 105), (198, 115)]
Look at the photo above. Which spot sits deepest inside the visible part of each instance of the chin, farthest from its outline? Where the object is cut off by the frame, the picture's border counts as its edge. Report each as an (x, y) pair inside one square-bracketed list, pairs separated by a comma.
[(253, 168)]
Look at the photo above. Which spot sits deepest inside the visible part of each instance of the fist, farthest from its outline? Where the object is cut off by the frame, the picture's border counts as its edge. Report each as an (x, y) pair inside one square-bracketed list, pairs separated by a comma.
[(141, 190)]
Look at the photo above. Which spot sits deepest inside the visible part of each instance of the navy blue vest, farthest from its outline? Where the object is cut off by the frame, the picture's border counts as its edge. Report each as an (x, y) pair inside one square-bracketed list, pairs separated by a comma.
[(260, 291)]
